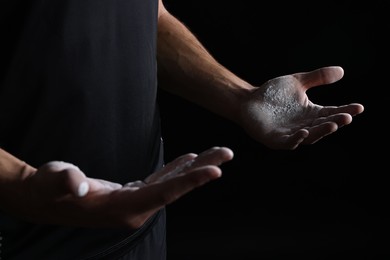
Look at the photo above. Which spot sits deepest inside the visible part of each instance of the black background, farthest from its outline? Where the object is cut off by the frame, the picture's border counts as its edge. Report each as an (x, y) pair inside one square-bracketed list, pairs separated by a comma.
[(324, 201)]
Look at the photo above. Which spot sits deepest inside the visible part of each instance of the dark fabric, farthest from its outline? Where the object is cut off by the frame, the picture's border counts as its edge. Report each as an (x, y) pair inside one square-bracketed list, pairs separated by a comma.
[(78, 84), (151, 244)]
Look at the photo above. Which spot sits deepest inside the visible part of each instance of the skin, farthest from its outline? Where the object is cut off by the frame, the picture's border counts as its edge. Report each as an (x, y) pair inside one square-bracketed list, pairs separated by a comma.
[(287, 118), (277, 114), (50, 195)]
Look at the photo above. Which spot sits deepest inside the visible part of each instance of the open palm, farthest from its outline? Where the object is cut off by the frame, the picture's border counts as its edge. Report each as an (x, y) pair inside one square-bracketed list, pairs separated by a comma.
[(280, 115), (60, 193)]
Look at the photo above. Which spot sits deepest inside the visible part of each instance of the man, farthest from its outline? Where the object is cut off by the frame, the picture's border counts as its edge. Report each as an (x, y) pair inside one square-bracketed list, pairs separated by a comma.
[(81, 162)]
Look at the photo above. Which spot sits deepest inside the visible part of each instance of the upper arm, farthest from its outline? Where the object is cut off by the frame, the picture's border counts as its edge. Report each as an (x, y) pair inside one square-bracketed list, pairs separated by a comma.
[(161, 8)]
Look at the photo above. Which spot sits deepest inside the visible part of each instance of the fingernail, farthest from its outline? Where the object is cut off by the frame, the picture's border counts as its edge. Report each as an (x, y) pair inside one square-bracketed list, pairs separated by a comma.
[(83, 189), (230, 152)]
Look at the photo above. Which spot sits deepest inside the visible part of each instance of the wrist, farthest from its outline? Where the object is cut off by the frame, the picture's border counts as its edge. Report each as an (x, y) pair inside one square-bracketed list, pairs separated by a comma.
[(12, 168), (13, 173)]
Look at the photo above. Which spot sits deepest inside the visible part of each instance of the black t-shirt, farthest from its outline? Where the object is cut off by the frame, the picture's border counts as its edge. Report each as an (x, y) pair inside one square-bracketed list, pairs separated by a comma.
[(78, 84)]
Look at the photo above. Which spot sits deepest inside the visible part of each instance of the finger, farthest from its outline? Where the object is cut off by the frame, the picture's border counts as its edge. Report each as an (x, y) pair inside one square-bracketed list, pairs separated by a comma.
[(341, 119), (171, 166), (317, 132), (321, 76), (62, 178), (215, 156), (291, 142), (134, 185), (157, 195), (352, 109), (96, 185), (136, 206)]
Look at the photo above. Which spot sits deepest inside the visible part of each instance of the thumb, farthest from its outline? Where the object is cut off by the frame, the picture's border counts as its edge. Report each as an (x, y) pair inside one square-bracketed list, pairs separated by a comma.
[(321, 76), (62, 178)]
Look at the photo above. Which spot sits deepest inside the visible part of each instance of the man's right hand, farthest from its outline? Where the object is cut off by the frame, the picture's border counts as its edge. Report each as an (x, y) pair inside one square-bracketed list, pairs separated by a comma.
[(60, 193)]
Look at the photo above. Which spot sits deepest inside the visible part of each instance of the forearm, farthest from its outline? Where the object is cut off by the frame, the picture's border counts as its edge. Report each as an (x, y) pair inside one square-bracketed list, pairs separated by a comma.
[(187, 69), (12, 173)]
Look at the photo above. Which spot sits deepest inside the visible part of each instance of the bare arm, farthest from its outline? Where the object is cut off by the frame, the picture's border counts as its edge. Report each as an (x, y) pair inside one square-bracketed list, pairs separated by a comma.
[(187, 69), (60, 193), (278, 113), (13, 172)]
